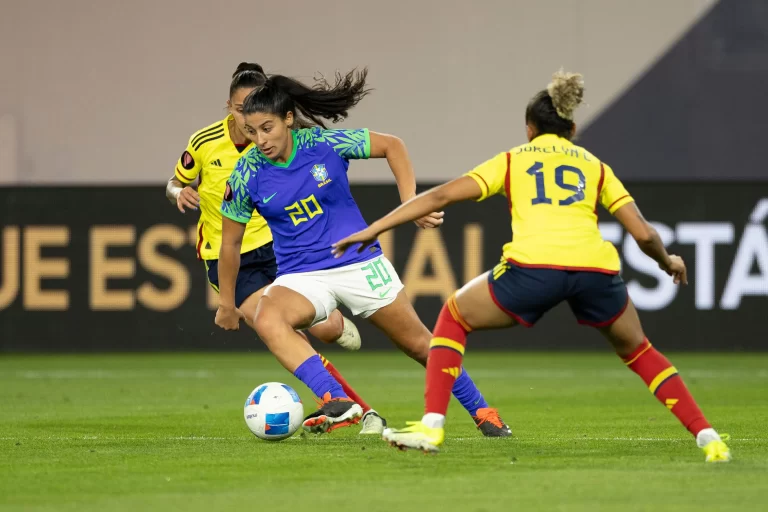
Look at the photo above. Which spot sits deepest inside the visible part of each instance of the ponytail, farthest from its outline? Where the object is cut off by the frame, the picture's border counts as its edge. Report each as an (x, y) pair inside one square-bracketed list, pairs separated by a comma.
[(551, 110), (281, 94)]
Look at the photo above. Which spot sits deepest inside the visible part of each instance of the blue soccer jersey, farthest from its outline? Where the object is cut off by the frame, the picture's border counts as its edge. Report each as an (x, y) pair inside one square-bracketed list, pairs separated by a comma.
[(305, 201)]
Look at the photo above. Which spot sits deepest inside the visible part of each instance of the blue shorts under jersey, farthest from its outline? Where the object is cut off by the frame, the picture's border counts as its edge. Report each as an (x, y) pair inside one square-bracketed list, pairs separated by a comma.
[(257, 270), (596, 299)]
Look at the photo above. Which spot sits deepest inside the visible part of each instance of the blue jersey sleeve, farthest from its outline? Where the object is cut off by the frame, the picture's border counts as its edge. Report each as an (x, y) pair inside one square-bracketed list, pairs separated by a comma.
[(237, 204), (348, 144)]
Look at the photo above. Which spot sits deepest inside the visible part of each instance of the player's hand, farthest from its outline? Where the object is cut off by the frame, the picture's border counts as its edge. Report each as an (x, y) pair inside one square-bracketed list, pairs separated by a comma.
[(229, 318), (365, 238), (676, 269), (432, 220), (187, 198)]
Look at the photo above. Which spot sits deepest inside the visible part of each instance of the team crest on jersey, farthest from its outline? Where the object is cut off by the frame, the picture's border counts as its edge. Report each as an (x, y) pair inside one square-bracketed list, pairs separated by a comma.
[(187, 161), (320, 174)]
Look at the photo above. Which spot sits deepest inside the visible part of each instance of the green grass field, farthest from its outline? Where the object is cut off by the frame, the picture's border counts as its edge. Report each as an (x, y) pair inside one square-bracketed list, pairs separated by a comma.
[(166, 432)]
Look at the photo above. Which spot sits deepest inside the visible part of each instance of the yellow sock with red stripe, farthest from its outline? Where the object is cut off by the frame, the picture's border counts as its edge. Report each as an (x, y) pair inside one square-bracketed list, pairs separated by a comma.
[(351, 393), (667, 386), (446, 352)]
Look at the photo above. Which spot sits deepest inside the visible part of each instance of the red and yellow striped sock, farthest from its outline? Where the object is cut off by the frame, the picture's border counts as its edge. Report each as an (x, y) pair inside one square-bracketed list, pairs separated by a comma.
[(446, 352), (666, 385), (351, 393)]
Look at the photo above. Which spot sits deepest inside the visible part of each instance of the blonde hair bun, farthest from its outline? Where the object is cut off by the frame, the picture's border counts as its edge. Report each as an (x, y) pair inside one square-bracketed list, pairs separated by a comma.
[(567, 91)]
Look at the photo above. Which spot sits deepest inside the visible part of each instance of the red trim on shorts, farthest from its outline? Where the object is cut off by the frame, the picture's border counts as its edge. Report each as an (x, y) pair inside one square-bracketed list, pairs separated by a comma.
[(563, 267), (507, 184), (517, 318), (182, 175), (200, 240), (616, 201), (607, 322)]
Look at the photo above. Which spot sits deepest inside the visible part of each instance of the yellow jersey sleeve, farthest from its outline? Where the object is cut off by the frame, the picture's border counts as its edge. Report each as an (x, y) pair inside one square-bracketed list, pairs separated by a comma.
[(491, 175), (189, 165), (613, 194)]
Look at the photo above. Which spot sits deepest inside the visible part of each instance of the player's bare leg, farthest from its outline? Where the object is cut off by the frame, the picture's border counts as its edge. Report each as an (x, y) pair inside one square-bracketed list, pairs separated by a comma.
[(626, 333), (276, 317), (477, 307), (373, 423), (338, 329), (281, 311), (628, 339), (401, 324), (248, 307)]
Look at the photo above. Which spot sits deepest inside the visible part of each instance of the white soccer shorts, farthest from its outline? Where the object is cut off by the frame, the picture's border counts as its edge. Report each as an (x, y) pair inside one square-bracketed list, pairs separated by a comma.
[(362, 287)]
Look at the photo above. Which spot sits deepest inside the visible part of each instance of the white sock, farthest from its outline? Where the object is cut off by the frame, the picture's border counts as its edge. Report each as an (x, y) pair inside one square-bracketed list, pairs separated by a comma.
[(706, 436), (433, 420)]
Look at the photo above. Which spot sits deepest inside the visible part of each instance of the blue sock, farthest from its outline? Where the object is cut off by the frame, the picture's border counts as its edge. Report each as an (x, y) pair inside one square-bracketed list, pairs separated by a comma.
[(312, 373), (467, 393)]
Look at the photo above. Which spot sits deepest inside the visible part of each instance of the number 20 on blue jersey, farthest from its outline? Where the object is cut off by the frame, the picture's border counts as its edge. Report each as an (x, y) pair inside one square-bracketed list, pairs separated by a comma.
[(304, 209)]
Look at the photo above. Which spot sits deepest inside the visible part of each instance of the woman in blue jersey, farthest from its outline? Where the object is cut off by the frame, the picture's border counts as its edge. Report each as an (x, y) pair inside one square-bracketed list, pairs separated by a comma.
[(297, 181), (209, 159)]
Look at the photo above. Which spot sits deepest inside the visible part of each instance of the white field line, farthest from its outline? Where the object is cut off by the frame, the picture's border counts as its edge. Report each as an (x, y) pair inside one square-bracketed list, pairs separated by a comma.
[(297, 438), (391, 374)]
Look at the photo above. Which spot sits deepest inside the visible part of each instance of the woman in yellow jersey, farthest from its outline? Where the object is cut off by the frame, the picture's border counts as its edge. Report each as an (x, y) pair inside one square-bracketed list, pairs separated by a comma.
[(209, 159), (553, 188)]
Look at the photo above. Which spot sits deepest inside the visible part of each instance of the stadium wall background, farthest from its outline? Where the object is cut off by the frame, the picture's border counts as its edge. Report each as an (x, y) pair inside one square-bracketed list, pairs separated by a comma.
[(113, 269)]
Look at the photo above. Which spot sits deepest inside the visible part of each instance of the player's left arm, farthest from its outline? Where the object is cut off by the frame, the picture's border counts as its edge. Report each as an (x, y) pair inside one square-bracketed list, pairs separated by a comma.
[(394, 150), (461, 189)]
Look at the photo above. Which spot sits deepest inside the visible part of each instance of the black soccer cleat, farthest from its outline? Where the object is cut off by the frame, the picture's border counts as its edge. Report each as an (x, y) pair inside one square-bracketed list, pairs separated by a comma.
[(333, 413), (490, 423)]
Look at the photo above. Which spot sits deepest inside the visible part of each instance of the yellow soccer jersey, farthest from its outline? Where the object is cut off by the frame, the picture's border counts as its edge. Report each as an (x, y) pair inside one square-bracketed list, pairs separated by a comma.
[(553, 188), (211, 155)]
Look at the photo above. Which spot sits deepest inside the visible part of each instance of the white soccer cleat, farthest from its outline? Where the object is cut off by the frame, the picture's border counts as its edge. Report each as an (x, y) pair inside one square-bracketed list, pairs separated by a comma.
[(350, 336), (373, 423)]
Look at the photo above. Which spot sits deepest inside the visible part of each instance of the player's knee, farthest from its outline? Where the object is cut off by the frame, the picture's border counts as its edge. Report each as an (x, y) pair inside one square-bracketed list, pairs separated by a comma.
[(267, 319)]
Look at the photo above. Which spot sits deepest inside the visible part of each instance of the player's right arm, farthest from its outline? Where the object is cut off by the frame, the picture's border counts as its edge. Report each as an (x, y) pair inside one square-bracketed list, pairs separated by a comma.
[(228, 316), (236, 211), (178, 190), (615, 198), (183, 196)]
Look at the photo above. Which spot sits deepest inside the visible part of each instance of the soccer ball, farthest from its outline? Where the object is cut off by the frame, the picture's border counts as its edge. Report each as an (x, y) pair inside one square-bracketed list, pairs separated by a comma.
[(273, 411)]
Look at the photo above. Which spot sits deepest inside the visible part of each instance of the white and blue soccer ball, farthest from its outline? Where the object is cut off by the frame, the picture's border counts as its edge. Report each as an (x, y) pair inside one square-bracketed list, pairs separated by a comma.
[(273, 411)]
